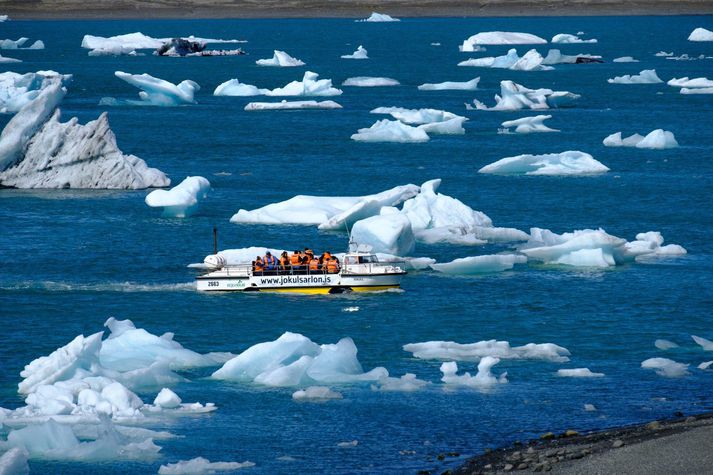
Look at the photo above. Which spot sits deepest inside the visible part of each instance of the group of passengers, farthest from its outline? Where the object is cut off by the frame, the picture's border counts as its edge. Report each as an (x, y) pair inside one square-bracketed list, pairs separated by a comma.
[(299, 262)]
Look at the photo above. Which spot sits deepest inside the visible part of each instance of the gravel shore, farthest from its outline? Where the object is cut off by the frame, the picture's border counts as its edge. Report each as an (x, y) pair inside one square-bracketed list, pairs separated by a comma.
[(679, 446)]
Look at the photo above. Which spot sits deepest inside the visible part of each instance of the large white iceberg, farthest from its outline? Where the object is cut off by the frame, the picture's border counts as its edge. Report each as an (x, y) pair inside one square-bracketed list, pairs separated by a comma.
[(531, 61), (309, 86), (500, 38), (182, 200), (38, 151), (294, 360), (700, 85), (20, 44), (390, 131), (528, 125), (474, 265), (291, 105), (124, 44), (514, 96), (658, 139), (379, 18), (155, 91), (389, 233), (701, 34), (360, 53), (368, 81), (567, 38), (471, 85), (449, 350), (554, 56), (565, 163), (16, 90), (647, 76), (280, 59)]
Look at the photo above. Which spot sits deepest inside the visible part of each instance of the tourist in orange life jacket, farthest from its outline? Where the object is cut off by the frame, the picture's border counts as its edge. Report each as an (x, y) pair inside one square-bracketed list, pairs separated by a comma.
[(295, 261), (258, 265), (314, 264), (332, 265), (270, 262), (284, 262)]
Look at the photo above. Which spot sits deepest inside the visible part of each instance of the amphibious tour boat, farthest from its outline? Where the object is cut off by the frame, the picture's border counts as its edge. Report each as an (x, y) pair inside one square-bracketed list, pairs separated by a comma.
[(359, 271)]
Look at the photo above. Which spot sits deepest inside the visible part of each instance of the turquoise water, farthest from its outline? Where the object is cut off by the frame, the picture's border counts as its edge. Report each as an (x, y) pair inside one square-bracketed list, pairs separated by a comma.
[(71, 259)]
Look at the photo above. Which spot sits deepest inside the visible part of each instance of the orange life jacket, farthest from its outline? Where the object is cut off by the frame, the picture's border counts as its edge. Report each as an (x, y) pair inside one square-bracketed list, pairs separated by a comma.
[(332, 266), (314, 264), (259, 266), (284, 262), (295, 259)]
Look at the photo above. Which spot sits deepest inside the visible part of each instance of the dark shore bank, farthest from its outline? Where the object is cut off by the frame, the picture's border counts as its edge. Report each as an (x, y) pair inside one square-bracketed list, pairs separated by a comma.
[(115, 9)]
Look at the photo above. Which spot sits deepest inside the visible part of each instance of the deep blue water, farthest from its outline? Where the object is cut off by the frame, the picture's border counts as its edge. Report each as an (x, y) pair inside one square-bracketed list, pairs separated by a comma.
[(71, 259)]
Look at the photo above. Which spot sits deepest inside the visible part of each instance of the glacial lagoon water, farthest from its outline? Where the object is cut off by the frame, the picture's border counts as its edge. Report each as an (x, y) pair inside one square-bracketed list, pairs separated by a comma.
[(71, 259)]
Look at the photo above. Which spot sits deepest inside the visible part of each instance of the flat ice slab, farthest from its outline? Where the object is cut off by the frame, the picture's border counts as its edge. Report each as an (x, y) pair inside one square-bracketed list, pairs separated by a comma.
[(565, 163), (500, 38)]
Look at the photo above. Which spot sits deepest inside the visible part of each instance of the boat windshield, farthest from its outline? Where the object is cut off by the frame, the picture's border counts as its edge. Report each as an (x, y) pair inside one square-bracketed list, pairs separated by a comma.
[(370, 259)]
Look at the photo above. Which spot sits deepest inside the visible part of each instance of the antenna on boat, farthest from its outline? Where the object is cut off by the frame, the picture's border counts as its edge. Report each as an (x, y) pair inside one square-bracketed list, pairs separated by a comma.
[(215, 240)]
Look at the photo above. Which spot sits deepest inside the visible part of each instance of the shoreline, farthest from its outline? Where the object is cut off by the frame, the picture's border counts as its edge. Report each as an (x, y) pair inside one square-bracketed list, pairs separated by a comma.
[(276, 9), (652, 448)]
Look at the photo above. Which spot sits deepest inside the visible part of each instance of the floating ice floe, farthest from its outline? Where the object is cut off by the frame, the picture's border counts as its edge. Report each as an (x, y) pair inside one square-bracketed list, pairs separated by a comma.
[(665, 345), (234, 87), (182, 200), (707, 345), (316, 394), (567, 38), (16, 90), (406, 383), (705, 365), (700, 85), (625, 59), (471, 85), (14, 461), (390, 233), (328, 212), (200, 465), (379, 17), (390, 131), (578, 373), (480, 264), (368, 81), (20, 44), (590, 407), (309, 86), (155, 91), (663, 54), (482, 380), (449, 350), (565, 164), (5, 59), (514, 96), (666, 367), (647, 76), (291, 105), (294, 360), (554, 56), (280, 59), (125, 44), (658, 139), (528, 125), (531, 61), (431, 121), (499, 38), (360, 53), (594, 248), (38, 151), (701, 34)]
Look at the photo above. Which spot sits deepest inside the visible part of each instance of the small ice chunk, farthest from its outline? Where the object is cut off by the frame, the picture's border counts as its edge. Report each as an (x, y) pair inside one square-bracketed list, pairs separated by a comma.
[(531, 61), (647, 76), (554, 56), (368, 81), (663, 54), (697, 90), (280, 59), (658, 139), (707, 345), (182, 200), (406, 383), (200, 465), (449, 350), (528, 125), (483, 379), (234, 87), (471, 85), (499, 38), (701, 34), (578, 373), (664, 345), (567, 38), (360, 53), (705, 365), (701, 82), (167, 399), (666, 367), (291, 105), (480, 264), (589, 407), (316, 393), (625, 59), (379, 18), (514, 96), (566, 164), (155, 91), (347, 445), (390, 131), (309, 86)]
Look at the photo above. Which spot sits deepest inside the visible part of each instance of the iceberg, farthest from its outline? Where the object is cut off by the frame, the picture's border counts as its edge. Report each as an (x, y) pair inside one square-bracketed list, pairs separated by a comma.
[(38, 151), (471, 85), (700, 85), (316, 394), (390, 131), (531, 61), (291, 105), (182, 200), (480, 264), (155, 91), (578, 373), (200, 465), (294, 360), (360, 53), (406, 383), (449, 350), (417, 116), (367, 81), (566, 38), (500, 38), (390, 233), (378, 18), (124, 44), (647, 76), (309, 86), (701, 34), (658, 139), (331, 212), (707, 345), (697, 90), (625, 59), (16, 90), (554, 56), (666, 367), (664, 345), (14, 461), (233, 87), (514, 96), (565, 164), (280, 59), (482, 380), (20, 44), (528, 125)]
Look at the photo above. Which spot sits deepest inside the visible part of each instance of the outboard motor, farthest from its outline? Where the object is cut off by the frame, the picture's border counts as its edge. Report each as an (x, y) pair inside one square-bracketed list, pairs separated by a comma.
[(214, 261)]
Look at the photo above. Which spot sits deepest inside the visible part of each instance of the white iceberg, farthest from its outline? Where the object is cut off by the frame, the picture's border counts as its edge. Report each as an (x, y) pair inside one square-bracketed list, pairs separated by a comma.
[(482, 380), (360, 53), (368, 81), (480, 264), (565, 164), (124, 44), (697, 90), (625, 59), (390, 131), (700, 85), (155, 91), (379, 17), (316, 394), (14, 461), (500, 38), (658, 139), (167, 399), (578, 373), (416, 116), (5, 59), (528, 125), (664, 345), (389, 233), (20, 44), (406, 383), (707, 345), (449, 350), (531, 61), (280, 59), (309, 86), (567, 38), (38, 151), (16, 90), (291, 105), (647, 76), (294, 360), (514, 96), (200, 465), (554, 56), (234, 87), (471, 85), (182, 200), (701, 34), (666, 367)]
